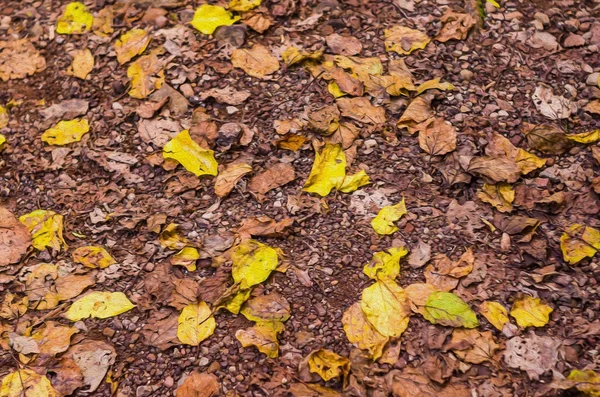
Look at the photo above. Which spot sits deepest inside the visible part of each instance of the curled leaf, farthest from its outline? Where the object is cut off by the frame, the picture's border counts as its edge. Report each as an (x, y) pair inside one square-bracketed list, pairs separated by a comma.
[(263, 336), (383, 223)]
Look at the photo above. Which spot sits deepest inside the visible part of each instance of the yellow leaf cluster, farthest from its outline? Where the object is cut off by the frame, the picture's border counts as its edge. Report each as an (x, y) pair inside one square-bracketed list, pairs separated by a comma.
[(75, 19), (46, 228), (65, 132), (190, 155)]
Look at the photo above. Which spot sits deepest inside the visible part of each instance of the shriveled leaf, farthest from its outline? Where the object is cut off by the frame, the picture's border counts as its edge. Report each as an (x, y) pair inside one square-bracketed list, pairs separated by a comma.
[(530, 312), (75, 19), (93, 257), (328, 364), (18, 59), (82, 65), (447, 309), (361, 109), (548, 139), (385, 265), (190, 155), (500, 195), (47, 285), (253, 262), (208, 17), (293, 55), (361, 333), (99, 304), (383, 223), (228, 95), (46, 228), (256, 61), (473, 346), (444, 274), (533, 354), (418, 111), (553, 106), (14, 238), (404, 40), (495, 313), (456, 26), (131, 44), (94, 358), (579, 242), (263, 336), (65, 132), (25, 382), (187, 258), (585, 137), (199, 385), (386, 307), (437, 137)]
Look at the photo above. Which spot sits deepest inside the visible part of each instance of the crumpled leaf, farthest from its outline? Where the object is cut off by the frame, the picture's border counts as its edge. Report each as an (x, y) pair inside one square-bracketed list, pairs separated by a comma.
[(500, 195), (187, 258), (103, 22), (472, 346), (579, 242), (46, 229), (18, 59), (99, 304), (53, 338), (82, 65), (131, 44), (585, 137), (386, 307), (434, 84), (552, 106), (207, 18), (530, 312), (75, 19), (14, 238), (447, 309), (196, 323), (361, 333), (361, 109), (262, 226), (253, 262), (25, 382), (495, 313), (228, 95), (66, 131), (93, 257), (229, 177), (146, 74), (171, 238), (67, 376), (12, 307), (456, 26), (263, 336), (257, 61), (383, 223), (444, 274), (190, 155), (385, 265), (587, 382), (437, 137), (417, 112), (412, 382), (93, 357), (404, 40), (199, 385), (328, 364)]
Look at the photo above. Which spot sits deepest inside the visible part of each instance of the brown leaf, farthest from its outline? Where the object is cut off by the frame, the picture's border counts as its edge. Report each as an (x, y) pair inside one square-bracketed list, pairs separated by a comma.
[(229, 177), (420, 255), (444, 274), (256, 61), (343, 45), (494, 169), (147, 109), (262, 226), (347, 82), (418, 111), (472, 346), (532, 354), (158, 131), (18, 59), (411, 382), (228, 95), (14, 238), (273, 177), (548, 139), (362, 110), (258, 20), (199, 385), (438, 137), (67, 376), (161, 329), (68, 109), (325, 120), (93, 358), (177, 104), (593, 107), (456, 26)]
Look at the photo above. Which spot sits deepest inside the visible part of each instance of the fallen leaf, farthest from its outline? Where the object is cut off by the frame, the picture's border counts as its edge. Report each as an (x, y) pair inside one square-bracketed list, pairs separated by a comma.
[(494, 169), (362, 110), (23, 344), (548, 139), (53, 338), (437, 137), (361, 333), (67, 376), (187, 258), (146, 74), (456, 26), (328, 364), (243, 5), (228, 95), (93, 257), (257, 20), (267, 308), (500, 195), (593, 106), (190, 155), (12, 307), (262, 226), (45, 228), (229, 177), (3, 117), (417, 294), (552, 106), (587, 382), (75, 19), (82, 65), (253, 262), (386, 307), (161, 329), (263, 336), (195, 324), (413, 382), (130, 44), (256, 61), (93, 357), (18, 59), (171, 238), (48, 284), (473, 346), (199, 385), (273, 177), (69, 109), (208, 17), (293, 55), (495, 313), (383, 223), (343, 45), (99, 304), (530, 312), (585, 137), (532, 354), (420, 255), (25, 382), (65, 132), (434, 84), (444, 274), (15, 238), (385, 265), (418, 111), (103, 22), (447, 309), (404, 40), (312, 390), (579, 242)]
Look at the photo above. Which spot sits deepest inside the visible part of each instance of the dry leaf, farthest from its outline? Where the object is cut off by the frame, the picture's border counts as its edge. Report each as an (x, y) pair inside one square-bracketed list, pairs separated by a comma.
[(93, 358), (500, 195), (46, 229), (552, 106), (361, 333), (456, 26), (447, 309), (495, 313), (404, 40), (362, 110), (82, 65), (196, 323), (343, 45), (75, 19), (256, 61), (273, 177), (131, 44), (146, 74), (472, 346), (208, 17), (437, 137), (190, 155), (199, 385), (25, 382), (14, 238), (93, 257), (328, 364), (579, 242), (262, 226), (530, 312), (444, 274), (99, 304), (532, 354), (228, 95), (418, 111), (18, 59)]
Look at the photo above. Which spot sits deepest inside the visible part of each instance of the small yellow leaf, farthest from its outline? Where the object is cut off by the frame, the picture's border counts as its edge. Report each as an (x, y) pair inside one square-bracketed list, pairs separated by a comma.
[(190, 155), (82, 65), (208, 17), (99, 304), (46, 229), (530, 312), (386, 307), (2, 141), (585, 137), (171, 239), (75, 19), (500, 195), (94, 257), (65, 132), (25, 382), (528, 162), (3, 117), (494, 3), (187, 258), (385, 264), (130, 44), (434, 84), (195, 324), (293, 55), (404, 40), (243, 5), (334, 89), (253, 262), (146, 74), (495, 313), (361, 333), (587, 382), (447, 309), (579, 242), (383, 223), (263, 336), (354, 181), (328, 364)]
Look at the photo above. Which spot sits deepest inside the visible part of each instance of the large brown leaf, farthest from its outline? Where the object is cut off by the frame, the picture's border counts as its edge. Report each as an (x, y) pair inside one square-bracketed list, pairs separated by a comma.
[(14, 238)]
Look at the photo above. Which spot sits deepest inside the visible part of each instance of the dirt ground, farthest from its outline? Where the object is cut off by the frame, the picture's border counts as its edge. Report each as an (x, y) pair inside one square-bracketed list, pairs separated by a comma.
[(494, 71)]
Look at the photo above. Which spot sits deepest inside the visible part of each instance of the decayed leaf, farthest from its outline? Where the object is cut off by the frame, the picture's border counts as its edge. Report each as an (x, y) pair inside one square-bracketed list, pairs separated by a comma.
[(196, 323), (48, 284), (362, 110), (500, 195), (82, 65), (253, 262), (94, 257), (67, 376), (344, 45), (417, 294), (207, 18), (45, 228), (273, 177), (146, 74), (18, 59), (53, 338), (229, 177), (386, 307), (262, 226), (187, 258), (262, 335), (25, 382), (437, 137), (383, 223), (579, 242), (495, 313), (418, 111), (256, 61), (75, 19), (103, 22), (533, 354), (587, 382), (434, 84), (66, 131), (312, 390), (548, 139), (361, 333), (385, 265), (14, 238), (131, 44), (444, 274), (199, 385), (552, 106), (585, 137), (530, 312), (447, 309), (456, 26), (190, 155), (473, 346), (99, 304), (170, 238), (328, 364), (404, 40), (93, 357), (12, 307), (267, 308)]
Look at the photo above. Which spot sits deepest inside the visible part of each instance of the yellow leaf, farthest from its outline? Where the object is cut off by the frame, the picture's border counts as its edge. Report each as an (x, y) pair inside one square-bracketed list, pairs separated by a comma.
[(195, 324), (99, 304), (93, 256), (263, 336), (190, 155), (579, 242), (171, 239), (354, 181), (82, 65), (587, 382), (404, 40), (187, 258), (585, 137), (447, 309), (234, 304), (385, 264), (494, 3), (130, 44), (334, 89), (146, 74), (495, 313), (208, 17), (500, 195), (2, 141), (25, 382), (229, 177), (3, 117), (528, 162), (434, 84), (253, 262), (386, 307), (530, 312), (46, 229), (65, 132), (383, 223), (361, 333), (75, 19), (243, 5), (328, 364), (293, 55), (256, 61)]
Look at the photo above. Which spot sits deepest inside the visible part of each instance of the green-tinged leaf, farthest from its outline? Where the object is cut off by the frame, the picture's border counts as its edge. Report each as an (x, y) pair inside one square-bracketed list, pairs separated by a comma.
[(447, 309)]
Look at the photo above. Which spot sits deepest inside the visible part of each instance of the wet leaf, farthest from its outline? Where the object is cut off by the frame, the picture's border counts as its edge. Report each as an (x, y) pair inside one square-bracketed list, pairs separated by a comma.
[(146, 75), (207, 18), (18, 59), (131, 44), (495, 313), (256, 61), (15, 238), (579, 242), (25, 382), (404, 40), (99, 304), (437, 137), (386, 307), (82, 65), (65, 132), (385, 265), (93, 257), (530, 312), (196, 323), (447, 309), (361, 333), (328, 364), (253, 262), (199, 385), (46, 229), (75, 19), (187, 258), (190, 155), (383, 223), (263, 336), (500, 195)]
